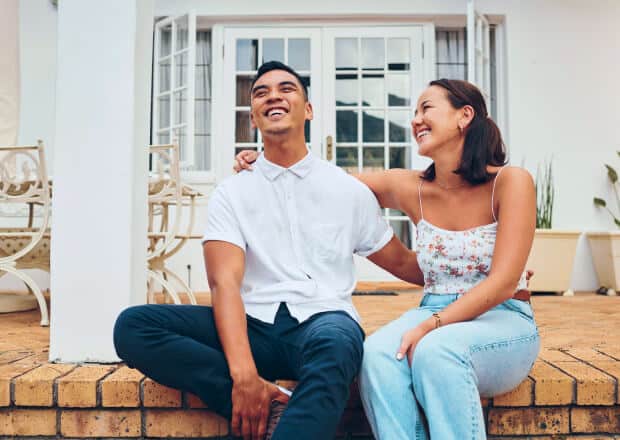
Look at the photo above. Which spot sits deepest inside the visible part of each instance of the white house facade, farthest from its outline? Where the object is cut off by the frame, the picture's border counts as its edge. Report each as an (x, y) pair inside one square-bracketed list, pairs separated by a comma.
[(152, 71)]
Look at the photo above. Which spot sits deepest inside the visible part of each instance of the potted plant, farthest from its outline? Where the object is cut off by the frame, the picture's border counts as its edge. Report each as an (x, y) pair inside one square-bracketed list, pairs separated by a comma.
[(605, 246), (553, 251)]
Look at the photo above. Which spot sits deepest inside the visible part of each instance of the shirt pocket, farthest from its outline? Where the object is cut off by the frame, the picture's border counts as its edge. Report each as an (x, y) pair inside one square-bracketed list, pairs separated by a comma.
[(326, 242)]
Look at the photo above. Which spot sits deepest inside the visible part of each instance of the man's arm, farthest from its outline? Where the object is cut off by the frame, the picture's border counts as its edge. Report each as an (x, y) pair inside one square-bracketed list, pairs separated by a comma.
[(399, 261), (251, 395)]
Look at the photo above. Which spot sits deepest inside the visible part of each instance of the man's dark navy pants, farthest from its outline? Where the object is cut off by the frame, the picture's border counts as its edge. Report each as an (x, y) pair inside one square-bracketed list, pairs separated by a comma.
[(178, 346)]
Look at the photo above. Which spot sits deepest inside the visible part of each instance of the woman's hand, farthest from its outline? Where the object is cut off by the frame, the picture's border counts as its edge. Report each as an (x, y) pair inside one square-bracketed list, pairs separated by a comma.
[(244, 159), (411, 339)]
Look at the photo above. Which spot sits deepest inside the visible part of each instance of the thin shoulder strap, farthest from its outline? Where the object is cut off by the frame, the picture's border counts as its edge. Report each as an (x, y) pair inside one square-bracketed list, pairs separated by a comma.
[(493, 192), (420, 198)]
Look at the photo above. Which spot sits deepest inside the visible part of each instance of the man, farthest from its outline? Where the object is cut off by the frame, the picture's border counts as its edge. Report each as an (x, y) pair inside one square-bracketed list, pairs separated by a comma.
[(278, 249)]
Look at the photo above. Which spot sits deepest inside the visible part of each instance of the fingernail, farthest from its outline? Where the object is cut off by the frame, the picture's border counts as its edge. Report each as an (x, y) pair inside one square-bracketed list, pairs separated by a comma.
[(399, 356)]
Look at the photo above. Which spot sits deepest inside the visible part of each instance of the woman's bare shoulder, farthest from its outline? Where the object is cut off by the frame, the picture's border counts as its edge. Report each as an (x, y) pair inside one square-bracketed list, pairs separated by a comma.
[(514, 179), (513, 174)]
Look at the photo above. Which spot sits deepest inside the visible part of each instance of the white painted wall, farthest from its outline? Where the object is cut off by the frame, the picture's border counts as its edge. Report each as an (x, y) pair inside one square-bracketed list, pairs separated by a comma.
[(38, 34), (562, 89)]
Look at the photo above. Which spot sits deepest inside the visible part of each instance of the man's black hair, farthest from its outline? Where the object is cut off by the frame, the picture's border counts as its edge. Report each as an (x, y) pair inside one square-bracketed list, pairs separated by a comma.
[(277, 65)]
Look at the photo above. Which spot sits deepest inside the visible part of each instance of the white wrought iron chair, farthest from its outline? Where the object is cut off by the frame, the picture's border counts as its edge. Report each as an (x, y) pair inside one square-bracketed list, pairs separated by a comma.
[(167, 198), (24, 181)]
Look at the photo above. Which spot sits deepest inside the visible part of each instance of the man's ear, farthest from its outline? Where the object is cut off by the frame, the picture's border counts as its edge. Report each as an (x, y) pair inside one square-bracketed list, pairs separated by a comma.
[(252, 123), (309, 111)]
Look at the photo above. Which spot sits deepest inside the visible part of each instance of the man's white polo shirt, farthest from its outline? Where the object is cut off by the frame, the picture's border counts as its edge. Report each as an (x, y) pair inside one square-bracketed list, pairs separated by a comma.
[(299, 228)]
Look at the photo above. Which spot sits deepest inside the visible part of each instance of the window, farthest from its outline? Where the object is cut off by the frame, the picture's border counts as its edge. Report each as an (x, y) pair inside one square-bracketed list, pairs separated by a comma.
[(182, 90), (451, 53), (451, 59), (202, 124)]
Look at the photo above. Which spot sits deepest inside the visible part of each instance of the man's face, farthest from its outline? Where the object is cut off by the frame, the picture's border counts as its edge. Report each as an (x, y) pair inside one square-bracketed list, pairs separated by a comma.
[(278, 104)]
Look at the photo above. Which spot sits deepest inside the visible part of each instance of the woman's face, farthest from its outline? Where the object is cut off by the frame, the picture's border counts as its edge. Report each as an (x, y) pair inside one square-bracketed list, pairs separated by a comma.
[(436, 122)]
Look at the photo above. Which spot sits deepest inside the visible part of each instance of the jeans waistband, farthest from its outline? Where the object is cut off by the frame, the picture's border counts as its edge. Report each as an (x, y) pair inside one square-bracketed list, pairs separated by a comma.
[(439, 301)]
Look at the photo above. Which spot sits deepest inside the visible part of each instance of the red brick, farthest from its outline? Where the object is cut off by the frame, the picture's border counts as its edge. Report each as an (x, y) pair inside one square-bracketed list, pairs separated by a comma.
[(78, 389), (184, 423), (593, 386), (121, 388), (8, 373), (27, 422), (100, 423), (36, 388), (596, 419), (159, 396), (523, 395), (194, 401), (528, 421), (551, 386)]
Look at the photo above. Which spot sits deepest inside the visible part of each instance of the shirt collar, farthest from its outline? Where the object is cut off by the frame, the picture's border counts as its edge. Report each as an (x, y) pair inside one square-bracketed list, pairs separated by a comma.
[(272, 171)]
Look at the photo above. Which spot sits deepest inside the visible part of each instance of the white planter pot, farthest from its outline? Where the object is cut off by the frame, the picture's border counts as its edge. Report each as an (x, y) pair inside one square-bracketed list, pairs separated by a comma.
[(551, 259), (605, 247)]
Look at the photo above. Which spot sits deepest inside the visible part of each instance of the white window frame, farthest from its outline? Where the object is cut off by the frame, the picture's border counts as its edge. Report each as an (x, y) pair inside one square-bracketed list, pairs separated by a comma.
[(478, 51), (501, 81), (188, 124)]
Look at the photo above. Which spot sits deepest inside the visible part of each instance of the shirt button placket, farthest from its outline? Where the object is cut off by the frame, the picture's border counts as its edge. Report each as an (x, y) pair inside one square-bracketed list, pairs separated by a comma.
[(292, 215)]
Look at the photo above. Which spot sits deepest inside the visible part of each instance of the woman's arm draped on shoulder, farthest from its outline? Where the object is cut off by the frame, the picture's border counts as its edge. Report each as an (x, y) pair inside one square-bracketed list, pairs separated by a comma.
[(516, 197), (244, 160), (387, 185)]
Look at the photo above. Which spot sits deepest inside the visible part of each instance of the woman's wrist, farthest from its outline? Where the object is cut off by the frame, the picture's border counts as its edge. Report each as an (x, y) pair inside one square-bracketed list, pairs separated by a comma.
[(428, 325)]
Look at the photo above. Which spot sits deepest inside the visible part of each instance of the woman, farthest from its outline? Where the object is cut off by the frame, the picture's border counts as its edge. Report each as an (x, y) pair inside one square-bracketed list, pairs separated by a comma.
[(470, 336)]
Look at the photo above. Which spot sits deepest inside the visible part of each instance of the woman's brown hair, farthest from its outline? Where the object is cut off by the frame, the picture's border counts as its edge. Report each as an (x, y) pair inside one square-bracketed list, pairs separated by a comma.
[(483, 141)]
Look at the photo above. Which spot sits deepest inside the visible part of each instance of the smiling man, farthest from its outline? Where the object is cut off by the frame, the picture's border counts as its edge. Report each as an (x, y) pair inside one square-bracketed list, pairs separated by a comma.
[(278, 248)]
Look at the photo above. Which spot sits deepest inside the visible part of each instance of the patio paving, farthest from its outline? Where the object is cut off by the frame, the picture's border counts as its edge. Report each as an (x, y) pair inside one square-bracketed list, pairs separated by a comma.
[(571, 392)]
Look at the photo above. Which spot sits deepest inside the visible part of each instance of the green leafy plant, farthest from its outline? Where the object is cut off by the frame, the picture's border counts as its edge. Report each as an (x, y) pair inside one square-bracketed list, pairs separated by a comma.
[(545, 194), (601, 203)]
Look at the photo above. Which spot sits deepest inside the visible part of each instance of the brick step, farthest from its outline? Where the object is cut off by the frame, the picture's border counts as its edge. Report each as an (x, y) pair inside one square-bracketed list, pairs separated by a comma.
[(569, 392)]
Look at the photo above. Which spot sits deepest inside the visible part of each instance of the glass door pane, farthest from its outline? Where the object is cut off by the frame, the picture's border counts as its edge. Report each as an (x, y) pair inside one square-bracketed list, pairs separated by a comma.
[(173, 121), (373, 74)]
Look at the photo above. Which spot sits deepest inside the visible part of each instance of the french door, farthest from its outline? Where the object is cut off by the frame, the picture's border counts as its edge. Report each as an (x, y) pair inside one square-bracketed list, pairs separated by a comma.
[(372, 77), (363, 83)]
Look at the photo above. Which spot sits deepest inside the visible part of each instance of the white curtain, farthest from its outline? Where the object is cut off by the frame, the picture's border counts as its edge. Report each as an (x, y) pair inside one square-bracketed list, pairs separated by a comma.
[(451, 54), (202, 108), (9, 71)]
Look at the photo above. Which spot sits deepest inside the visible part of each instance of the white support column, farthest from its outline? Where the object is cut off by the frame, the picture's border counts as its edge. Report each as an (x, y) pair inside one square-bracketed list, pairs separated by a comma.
[(99, 217)]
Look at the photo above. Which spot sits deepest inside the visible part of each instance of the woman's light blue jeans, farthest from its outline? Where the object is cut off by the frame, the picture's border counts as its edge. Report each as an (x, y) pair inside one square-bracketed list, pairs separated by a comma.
[(453, 366)]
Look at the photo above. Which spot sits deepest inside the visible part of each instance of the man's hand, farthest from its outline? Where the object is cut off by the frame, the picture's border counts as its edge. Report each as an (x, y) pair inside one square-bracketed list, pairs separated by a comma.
[(251, 400)]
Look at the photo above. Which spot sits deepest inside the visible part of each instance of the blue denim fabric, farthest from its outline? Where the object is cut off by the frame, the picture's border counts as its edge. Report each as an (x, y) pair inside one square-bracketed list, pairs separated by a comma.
[(452, 367), (178, 346)]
